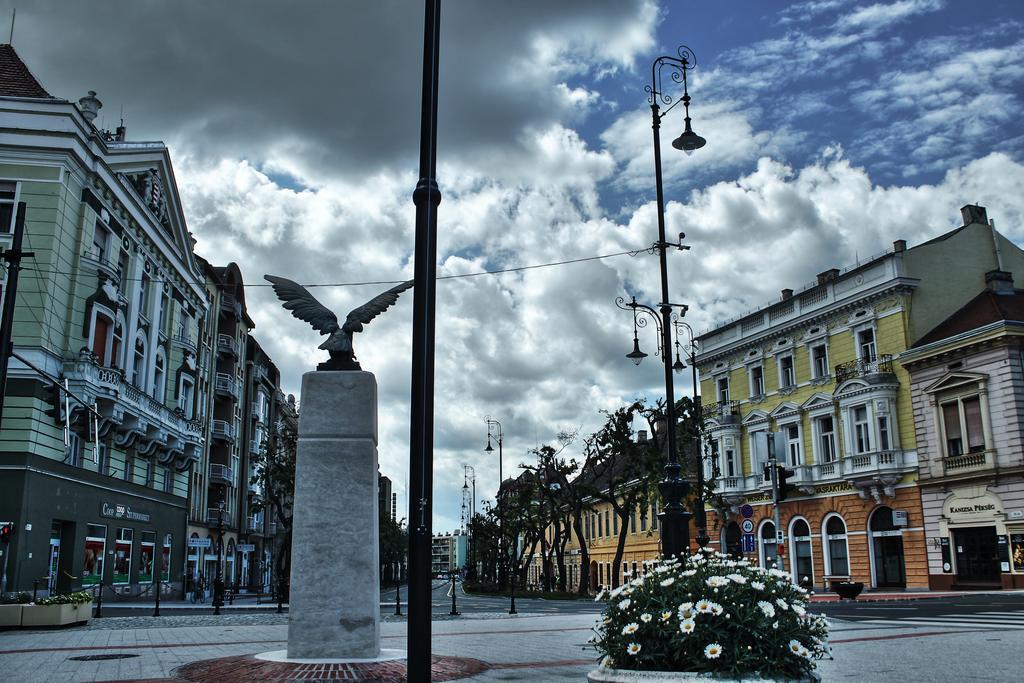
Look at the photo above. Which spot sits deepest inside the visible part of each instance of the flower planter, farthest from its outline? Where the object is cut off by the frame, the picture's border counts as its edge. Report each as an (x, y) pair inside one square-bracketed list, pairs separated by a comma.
[(606, 675), (10, 615), (848, 590), (55, 615)]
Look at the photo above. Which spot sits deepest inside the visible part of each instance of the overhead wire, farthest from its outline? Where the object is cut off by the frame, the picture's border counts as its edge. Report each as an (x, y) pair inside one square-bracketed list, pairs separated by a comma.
[(631, 253)]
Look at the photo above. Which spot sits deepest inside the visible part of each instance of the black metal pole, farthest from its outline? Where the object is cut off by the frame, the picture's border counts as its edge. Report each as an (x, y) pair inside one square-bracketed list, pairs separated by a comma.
[(455, 608), (13, 258), (675, 532), (426, 197), (156, 575), (99, 600), (218, 581), (398, 593)]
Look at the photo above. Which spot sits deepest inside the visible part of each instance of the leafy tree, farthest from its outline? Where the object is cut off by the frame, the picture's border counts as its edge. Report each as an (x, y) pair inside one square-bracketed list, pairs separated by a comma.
[(393, 542), (274, 476)]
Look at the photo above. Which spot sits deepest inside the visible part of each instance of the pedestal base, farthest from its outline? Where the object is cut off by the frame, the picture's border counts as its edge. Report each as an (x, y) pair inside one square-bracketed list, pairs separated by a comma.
[(257, 668)]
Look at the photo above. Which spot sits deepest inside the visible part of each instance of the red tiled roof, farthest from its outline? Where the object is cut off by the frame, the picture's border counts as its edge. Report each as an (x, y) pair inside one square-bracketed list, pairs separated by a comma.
[(984, 309), (15, 78)]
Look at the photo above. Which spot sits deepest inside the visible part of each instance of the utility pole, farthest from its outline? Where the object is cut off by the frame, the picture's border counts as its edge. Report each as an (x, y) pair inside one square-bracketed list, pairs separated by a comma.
[(13, 258)]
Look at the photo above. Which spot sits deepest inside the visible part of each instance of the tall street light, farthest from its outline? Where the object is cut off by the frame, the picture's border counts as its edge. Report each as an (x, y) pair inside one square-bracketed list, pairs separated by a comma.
[(675, 532), (698, 417), (494, 428)]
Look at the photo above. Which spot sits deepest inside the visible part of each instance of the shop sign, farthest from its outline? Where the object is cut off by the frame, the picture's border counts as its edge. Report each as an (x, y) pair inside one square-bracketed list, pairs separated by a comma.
[(833, 488), (947, 562), (1002, 548), (200, 542), (899, 518), (890, 532), (971, 504), (245, 547), (122, 511)]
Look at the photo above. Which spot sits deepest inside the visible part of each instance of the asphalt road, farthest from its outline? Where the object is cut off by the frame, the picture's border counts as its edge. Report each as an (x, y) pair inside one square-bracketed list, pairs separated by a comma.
[(986, 611), (441, 601)]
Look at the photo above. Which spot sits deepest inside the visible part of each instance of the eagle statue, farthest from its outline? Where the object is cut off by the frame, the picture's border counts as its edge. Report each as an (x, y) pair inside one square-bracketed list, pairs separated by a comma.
[(304, 306)]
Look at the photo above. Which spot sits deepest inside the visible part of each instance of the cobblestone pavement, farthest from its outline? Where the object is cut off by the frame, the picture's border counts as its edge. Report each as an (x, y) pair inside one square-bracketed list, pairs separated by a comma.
[(524, 647)]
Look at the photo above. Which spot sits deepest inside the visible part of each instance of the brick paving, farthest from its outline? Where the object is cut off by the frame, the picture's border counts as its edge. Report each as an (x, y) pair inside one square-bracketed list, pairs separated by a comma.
[(248, 668)]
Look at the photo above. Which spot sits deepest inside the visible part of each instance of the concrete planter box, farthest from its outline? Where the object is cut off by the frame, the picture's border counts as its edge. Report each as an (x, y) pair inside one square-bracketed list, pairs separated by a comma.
[(10, 615), (604, 675), (55, 615)]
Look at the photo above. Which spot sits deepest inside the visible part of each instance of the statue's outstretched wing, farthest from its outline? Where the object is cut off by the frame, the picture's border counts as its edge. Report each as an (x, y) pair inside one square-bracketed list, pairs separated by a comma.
[(377, 305), (303, 306)]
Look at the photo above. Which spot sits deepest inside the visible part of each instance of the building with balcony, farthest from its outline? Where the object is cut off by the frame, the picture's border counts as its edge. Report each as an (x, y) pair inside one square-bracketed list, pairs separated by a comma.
[(967, 388), (821, 366), (95, 477), (448, 553)]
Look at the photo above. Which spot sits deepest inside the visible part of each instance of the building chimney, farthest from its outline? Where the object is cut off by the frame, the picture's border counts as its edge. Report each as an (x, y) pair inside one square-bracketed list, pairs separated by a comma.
[(828, 275), (90, 106), (641, 436), (899, 245), (972, 213), (999, 281), (787, 294)]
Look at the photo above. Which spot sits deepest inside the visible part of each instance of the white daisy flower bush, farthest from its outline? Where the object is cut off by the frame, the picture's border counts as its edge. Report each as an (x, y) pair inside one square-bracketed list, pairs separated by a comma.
[(714, 614)]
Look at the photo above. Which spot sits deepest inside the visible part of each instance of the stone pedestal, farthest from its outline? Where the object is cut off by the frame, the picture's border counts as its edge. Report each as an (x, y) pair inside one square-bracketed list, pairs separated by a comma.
[(334, 605)]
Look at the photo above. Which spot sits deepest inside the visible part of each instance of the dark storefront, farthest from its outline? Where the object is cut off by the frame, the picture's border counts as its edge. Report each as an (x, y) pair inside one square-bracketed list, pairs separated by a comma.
[(76, 528)]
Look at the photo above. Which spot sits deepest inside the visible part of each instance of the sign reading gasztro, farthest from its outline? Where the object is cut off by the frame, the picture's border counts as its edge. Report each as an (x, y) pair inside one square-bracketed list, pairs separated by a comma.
[(121, 511)]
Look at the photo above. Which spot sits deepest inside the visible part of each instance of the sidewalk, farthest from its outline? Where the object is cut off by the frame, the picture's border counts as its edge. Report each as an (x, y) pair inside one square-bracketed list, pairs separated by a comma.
[(894, 596)]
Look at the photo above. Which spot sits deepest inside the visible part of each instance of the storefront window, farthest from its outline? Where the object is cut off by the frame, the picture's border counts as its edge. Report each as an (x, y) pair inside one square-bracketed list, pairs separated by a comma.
[(95, 547), (165, 564), (1017, 551), (146, 549), (837, 553), (123, 556)]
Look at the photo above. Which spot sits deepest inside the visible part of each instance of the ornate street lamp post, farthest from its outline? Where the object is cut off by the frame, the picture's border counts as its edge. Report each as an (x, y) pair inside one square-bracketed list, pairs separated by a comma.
[(698, 417), (503, 552), (675, 533), (218, 581)]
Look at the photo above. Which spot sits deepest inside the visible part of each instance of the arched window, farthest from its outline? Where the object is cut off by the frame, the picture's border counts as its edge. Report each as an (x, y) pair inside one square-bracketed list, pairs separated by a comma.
[(800, 548), (837, 552), (139, 362), (158, 376), (769, 549)]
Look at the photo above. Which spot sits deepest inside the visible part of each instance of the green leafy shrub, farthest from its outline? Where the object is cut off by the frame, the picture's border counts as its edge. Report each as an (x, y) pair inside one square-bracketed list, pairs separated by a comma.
[(711, 614), (79, 598), (21, 598)]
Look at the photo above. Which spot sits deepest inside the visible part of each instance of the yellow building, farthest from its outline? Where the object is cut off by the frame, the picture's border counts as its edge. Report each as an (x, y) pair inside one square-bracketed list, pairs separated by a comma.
[(817, 367)]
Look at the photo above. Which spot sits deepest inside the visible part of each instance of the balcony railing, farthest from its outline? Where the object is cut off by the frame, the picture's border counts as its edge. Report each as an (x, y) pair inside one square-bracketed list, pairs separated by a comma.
[(213, 517), (229, 304), (221, 474), (222, 429), (141, 420), (859, 467), (722, 411), (101, 259), (226, 385), (183, 337), (256, 446), (253, 525), (968, 462), (862, 367), (226, 345)]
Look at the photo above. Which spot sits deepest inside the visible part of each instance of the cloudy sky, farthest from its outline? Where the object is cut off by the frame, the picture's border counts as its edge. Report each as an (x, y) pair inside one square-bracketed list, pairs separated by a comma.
[(833, 129)]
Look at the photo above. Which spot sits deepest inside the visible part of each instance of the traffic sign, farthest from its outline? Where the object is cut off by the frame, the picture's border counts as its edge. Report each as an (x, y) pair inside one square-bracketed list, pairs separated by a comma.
[(748, 543), (747, 526), (200, 542), (747, 511)]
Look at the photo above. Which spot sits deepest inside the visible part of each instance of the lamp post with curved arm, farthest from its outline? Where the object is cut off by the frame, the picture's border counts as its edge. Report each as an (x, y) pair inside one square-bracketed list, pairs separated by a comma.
[(494, 427), (675, 533)]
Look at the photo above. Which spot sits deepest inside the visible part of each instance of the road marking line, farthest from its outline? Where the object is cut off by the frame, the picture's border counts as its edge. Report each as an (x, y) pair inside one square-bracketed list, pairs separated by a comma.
[(901, 623)]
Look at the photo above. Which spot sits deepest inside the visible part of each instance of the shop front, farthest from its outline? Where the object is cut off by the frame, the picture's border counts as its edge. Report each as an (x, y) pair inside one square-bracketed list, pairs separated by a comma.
[(973, 542)]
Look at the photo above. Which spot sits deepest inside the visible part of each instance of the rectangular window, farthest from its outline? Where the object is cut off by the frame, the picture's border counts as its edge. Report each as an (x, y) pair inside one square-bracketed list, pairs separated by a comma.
[(866, 344), (963, 426), (757, 381), (654, 515), (819, 361), (730, 463), (786, 376), (793, 444), (826, 439), (7, 213), (723, 389), (74, 450), (632, 521), (758, 450), (143, 295), (95, 551), (643, 518), (147, 549), (883, 432), (168, 480), (100, 242), (599, 532), (123, 556), (122, 269), (861, 430), (615, 525), (607, 526)]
